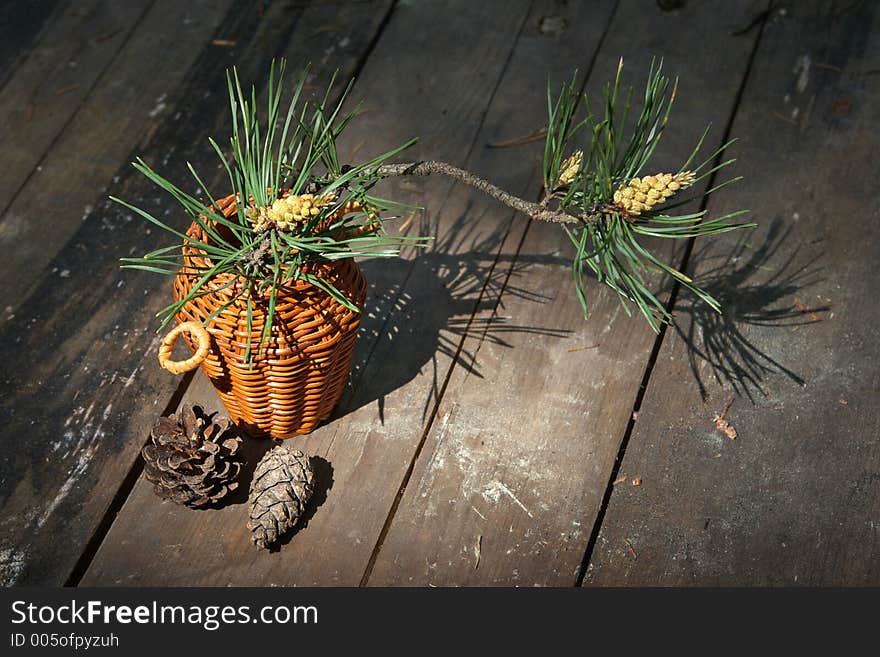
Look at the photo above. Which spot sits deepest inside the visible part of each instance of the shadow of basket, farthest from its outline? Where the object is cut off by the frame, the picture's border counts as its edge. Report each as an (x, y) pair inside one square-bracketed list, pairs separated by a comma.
[(419, 310)]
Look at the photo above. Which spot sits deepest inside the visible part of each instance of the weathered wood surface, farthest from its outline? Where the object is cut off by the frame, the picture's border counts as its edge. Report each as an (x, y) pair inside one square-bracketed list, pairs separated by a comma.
[(73, 419), (48, 86), (366, 451), (507, 487), (477, 440), (795, 499), (134, 96), (20, 26), (359, 464)]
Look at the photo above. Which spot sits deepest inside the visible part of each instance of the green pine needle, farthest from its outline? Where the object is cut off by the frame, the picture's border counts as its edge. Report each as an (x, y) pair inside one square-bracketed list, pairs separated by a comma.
[(607, 244), (265, 163)]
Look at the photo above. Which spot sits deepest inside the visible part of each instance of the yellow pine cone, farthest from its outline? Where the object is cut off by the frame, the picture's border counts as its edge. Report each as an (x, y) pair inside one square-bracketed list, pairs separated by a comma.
[(569, 168), (287, 211), (641, 194)]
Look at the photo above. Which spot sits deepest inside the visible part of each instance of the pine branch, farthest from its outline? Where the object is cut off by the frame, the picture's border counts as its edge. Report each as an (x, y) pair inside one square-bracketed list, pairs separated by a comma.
[(534, 210), (298, 205)]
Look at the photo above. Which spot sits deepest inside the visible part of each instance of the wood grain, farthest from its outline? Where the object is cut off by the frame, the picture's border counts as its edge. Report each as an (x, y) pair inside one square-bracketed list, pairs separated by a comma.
[(431, 74), (60, 69), (20, 26), (81, 381), (508, 484), (136, 93), (795, 498)]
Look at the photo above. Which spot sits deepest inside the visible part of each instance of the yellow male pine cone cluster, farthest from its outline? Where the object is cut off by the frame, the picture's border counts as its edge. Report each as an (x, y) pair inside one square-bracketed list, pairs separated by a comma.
[(641, 194), (569, 168), (288, 211)]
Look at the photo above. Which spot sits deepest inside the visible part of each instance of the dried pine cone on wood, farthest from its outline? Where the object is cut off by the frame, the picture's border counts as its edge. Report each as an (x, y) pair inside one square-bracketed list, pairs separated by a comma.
[(192, 459), (280, 490)]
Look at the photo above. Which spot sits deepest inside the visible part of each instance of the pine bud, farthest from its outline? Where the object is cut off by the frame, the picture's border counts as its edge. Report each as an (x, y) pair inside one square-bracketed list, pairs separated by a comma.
[(286, 212), (569, 169), (641, 194)]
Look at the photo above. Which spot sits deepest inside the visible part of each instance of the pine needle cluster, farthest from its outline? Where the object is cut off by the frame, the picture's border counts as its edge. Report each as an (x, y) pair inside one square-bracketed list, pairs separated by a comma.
[(601, 185), (295, 203)]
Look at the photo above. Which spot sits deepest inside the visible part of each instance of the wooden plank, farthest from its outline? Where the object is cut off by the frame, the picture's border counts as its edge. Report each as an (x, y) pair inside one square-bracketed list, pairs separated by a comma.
[(506, 489), (133, 96), (59, 72), (80, 376), (20, 26), (795, 499), (362, 459)]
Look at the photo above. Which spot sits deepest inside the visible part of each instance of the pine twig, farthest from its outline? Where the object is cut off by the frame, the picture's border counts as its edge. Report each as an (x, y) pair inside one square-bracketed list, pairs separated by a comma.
[(534, 210)]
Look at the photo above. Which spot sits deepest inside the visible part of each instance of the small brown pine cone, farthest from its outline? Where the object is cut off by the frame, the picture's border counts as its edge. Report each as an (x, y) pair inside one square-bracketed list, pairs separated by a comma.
[(280, 490), (192, 459)]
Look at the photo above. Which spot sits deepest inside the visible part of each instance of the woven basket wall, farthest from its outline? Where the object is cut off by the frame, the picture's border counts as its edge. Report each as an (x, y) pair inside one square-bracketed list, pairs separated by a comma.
[(294, 383)]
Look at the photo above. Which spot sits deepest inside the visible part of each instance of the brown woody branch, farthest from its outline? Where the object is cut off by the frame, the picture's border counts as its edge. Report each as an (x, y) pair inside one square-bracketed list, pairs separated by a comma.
[(534, 210)]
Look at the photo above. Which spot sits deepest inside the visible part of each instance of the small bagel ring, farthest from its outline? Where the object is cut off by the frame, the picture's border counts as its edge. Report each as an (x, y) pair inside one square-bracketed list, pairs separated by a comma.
[(198, 333)]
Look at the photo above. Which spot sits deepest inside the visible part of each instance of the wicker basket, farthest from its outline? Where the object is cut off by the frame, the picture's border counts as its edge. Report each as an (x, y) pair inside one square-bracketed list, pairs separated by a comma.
[(295, 381)]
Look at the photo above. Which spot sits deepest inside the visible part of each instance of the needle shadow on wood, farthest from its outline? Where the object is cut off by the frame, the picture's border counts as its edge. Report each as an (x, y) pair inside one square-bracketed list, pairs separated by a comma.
[(755, 292)]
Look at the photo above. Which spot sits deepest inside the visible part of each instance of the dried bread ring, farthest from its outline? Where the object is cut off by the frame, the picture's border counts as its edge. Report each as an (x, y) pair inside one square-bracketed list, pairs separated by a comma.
[(198, 333)]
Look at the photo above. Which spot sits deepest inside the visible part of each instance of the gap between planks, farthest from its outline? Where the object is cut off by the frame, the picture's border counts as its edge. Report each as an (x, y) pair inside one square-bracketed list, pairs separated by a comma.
[(122, 493), (467, 332), (761, 22)]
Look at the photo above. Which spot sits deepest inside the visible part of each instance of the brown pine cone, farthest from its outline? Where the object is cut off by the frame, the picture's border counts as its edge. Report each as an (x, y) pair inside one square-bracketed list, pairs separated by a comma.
[(280, 490), (192, 459)]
